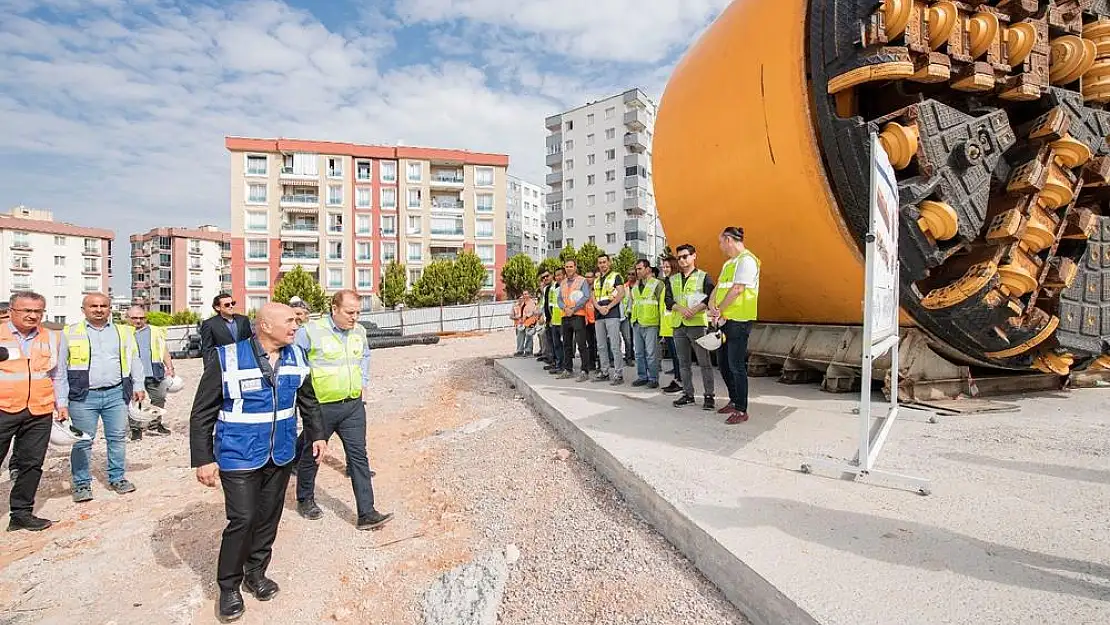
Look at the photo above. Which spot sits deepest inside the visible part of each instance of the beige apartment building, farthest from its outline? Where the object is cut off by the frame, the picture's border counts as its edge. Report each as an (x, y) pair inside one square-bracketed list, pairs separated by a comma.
[(179, 269), (60, 261), (343, 211)]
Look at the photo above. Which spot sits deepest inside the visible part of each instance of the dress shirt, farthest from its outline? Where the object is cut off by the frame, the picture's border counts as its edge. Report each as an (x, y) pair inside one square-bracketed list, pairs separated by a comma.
[(104, 362)]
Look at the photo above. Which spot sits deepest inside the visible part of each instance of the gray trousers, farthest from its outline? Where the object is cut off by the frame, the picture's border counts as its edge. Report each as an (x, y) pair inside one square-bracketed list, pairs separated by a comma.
[(684, 337), (609, 347)]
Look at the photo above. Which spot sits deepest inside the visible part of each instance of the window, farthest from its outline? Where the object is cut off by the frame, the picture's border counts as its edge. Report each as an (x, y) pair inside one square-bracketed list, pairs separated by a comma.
[(611, 238), (447, 226), (610, 175), (362, 224), (610, 112), (569, 164), (590, 180), (366, 302), (389, 251), (335, 167), (59, 240), (257, 278), (257, 249), (335, 250), (569, 145), (59, 300), (590, 159), (483, 228), (364, 171), (256, 193), (570, 223), (335, 223), (335, 195), (389, 198), (414, 276), (570, 124), (589, 139), (591, 200), (593, 239), (194, 296), (414, 225), (388, 171), (256, 302), (59, 280), (256, 165), (483, 203), (389, 225), (485, 253), (364, 251), (611, 134), (59, 261), (335, 278), (92, 285), (590, 220), (568, 203), (365, 280), (415, 172), (488, 284), (610, 197), (483, 176), (570, 185), (611, 218), (414, 198), (590, 119), (416, 252), (256, 221), (92, 265), (362, 197)]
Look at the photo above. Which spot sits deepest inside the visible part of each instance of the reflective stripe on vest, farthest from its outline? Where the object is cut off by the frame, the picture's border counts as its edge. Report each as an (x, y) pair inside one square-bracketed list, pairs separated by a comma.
[(566, 300), (79, 357), (645, 302), (745, 306), (334, 361), (25, 382), (604, 286), (256, 421), (695, 284)]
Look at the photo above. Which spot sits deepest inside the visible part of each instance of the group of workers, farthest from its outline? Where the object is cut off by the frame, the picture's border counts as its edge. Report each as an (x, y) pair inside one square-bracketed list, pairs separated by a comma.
[(595, 312), (257, 377)]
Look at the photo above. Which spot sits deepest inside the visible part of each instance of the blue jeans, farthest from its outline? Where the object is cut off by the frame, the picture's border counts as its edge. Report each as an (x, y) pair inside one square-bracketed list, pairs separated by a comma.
[(523, 341), (646, 348), (107, 406)]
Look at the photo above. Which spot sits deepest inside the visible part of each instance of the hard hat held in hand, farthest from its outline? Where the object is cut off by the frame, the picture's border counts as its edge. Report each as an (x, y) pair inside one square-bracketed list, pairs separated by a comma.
[(172, 383), (144, 413), (710, 341), (63, 434)]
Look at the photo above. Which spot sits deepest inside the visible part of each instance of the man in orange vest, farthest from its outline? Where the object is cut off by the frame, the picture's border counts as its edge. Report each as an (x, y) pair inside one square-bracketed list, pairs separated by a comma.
[(27, 378), (574, 300)]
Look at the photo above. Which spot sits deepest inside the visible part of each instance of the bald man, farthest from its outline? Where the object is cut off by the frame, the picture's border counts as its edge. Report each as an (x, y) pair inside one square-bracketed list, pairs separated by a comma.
[(158, 365), (243, 430), (103, 373)]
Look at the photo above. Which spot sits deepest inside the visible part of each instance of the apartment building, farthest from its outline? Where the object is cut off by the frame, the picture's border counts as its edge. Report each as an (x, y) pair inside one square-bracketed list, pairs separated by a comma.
[(179, 269), (343, 211), (61, 261), (599, 174), (526, 227)]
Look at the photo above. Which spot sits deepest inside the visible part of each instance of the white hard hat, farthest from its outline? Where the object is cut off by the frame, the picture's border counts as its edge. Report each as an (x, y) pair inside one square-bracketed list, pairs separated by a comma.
[(172, 383), (710, 341), (144, 413), (63, 434)]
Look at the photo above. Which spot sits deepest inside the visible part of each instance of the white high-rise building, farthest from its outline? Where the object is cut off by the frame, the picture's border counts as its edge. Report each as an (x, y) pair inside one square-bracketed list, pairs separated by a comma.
[(599, 163), (526, 228)]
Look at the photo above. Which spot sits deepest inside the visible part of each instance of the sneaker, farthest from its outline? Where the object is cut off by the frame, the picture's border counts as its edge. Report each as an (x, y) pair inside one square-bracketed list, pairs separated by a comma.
[(556, 371), (737, 417), (728, 409), (708, 404), (601, 377), (549, 367), (673, 387), (685, 400), (28, 522), (653, 384), (122, 487), (640, 382), (566, 375), (83, 493), (158, 430), (582, 377), (309, 510), (373, 520), (136, 434), (616, 382)]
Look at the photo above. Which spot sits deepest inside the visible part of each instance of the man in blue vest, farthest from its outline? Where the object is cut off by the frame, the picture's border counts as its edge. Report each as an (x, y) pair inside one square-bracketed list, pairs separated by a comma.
[(243, 430)]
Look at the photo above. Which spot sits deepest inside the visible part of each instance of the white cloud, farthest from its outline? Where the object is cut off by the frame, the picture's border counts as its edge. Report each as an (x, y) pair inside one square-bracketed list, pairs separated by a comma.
[(116, 117)]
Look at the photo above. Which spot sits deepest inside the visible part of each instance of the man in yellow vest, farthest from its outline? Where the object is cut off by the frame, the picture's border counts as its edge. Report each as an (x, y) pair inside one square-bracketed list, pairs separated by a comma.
[(608, 293), (734, 307), (553, 313), (103, 373), (29, 377), (646, 296), (690, 291), (158, 364), (339, 360)]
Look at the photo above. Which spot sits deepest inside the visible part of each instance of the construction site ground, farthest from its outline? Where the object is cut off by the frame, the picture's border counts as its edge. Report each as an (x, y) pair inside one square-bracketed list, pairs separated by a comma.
[(1015, 531), (462, 460)]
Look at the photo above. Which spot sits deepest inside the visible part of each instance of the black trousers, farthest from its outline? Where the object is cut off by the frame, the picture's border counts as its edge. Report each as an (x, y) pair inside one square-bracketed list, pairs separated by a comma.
[(32, 435), (733, 360), (575, 333), (348, 420), (555, 341), (591, 342), (254, 501)]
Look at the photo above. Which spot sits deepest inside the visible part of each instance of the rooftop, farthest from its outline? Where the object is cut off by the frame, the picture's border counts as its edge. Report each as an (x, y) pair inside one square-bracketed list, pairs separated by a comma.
[(281, 145)]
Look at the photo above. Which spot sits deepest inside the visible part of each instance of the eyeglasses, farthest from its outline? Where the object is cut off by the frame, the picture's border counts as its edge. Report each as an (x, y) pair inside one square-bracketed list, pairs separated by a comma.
[(137, 318), (29, 311), (230, 304), (682, 256)]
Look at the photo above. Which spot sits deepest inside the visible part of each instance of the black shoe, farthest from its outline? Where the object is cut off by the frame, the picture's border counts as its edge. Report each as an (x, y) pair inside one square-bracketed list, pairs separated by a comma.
[(685, 400), (549, 367), (708, 404), (136, 434), (157, 430), (28, 522), (653, 385), (673, 387), (640, 382), (230, 606), (373, 520), (309, 510), (263, 588)]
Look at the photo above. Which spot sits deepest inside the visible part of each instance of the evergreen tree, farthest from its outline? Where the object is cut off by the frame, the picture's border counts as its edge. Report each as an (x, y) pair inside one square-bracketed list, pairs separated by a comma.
[(587, 258), (519, 275), (393, 284), (625, 261), (468, 277), (568, 253), (298, 282)]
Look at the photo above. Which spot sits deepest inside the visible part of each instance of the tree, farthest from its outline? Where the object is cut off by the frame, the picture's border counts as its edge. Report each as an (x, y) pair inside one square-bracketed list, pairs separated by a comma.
[(587, 258), (298, 282), (468, 276), (393, 284), (625, 261), (551, 264), (185, 318), (568, 253), (159, 318), (434, 286), (519, 275)]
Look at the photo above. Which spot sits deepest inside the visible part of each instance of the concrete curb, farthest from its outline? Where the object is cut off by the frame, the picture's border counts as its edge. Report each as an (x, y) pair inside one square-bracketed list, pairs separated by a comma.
[(754, 596)]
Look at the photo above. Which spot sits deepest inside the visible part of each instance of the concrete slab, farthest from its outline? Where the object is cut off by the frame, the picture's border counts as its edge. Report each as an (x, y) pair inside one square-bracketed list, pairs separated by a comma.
[(1015, 531)]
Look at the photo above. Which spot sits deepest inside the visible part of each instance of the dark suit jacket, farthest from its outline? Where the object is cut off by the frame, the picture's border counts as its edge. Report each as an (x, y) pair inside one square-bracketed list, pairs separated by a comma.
[(214, 333)]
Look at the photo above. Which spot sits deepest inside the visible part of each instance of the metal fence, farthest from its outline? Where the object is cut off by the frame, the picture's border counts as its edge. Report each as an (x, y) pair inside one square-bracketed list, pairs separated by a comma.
[(468, 318)]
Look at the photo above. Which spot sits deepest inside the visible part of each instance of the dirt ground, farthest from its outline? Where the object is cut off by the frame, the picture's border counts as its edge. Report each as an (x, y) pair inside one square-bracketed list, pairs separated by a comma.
[(464, 463)]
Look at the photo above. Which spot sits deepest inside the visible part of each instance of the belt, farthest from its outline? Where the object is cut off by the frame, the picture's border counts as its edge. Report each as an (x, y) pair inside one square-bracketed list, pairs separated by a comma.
[(105, 388)]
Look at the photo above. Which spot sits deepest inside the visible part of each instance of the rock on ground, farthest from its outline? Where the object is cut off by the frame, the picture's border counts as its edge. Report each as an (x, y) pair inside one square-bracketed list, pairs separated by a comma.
[(469, 594)]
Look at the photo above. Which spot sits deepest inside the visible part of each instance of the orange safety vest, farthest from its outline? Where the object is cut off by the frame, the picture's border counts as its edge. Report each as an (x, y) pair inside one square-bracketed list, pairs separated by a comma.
[(570, 287), (25, 382)]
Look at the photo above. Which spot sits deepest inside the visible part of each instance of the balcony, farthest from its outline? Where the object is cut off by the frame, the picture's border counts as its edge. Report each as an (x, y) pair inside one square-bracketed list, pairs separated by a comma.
[(555, 177), (554, 122), (302, 230), (555, 197), (449, 179), (554, 142), (300, 200), (287, 174), (300, 255), (196, 301), (554, 159), (636, 160), (195, 282), (195, 251), (91, 251), (635, 141), (446, 233), (447, 205), (632, 182), (635, 97), (91, 271), (21, 244), (636, 119), (444, 253), (633, 206)]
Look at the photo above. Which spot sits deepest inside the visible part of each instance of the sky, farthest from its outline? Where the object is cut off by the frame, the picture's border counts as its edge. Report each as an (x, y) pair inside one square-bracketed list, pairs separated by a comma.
[(113, 113)]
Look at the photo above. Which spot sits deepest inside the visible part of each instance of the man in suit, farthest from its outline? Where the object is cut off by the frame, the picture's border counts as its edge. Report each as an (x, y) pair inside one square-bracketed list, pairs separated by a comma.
[(226, 327)]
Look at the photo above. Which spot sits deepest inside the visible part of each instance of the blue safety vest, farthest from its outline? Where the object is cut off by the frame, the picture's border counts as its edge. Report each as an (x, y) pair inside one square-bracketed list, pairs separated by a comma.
[(257, 421)]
